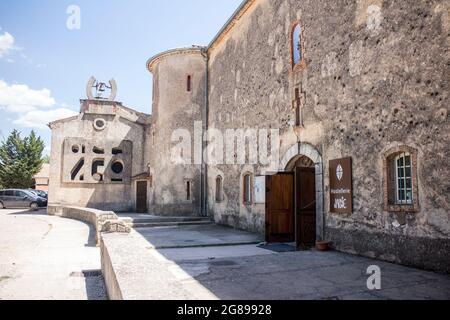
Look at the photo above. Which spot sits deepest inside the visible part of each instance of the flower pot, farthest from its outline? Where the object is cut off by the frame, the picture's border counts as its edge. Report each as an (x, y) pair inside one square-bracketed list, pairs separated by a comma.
[(323, 245)]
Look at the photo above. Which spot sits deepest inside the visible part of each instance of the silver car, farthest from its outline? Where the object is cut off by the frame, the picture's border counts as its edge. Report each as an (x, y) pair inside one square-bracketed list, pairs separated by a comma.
[(15, 198)]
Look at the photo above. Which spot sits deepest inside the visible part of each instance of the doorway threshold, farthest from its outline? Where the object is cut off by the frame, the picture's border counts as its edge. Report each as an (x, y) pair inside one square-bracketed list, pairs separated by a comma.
[(279, 247)]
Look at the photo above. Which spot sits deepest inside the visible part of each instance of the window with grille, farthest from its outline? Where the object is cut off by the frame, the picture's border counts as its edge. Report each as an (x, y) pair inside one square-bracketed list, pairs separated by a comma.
[(404, 181)]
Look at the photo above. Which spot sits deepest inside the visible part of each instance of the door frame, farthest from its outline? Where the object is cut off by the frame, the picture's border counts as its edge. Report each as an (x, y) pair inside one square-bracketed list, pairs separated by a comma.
[(146, 194), (289, 159)]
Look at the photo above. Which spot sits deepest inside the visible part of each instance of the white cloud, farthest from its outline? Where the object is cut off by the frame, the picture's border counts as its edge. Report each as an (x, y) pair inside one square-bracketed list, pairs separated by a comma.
[(6, 44), (38, 119), (19, 98), (34, 108)]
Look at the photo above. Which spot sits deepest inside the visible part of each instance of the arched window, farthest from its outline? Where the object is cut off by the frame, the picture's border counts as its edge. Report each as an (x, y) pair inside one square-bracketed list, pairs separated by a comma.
[(247, 187), (297, 44), (400, 180), (219, 189)]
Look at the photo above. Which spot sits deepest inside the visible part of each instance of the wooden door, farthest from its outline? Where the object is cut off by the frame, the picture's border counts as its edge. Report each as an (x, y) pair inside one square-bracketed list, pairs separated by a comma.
[(280, 219), (306, 207), (141, 197)]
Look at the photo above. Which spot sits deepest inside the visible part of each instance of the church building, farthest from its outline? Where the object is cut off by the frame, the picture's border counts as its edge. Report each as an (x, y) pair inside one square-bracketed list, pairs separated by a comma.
[(356, 96)]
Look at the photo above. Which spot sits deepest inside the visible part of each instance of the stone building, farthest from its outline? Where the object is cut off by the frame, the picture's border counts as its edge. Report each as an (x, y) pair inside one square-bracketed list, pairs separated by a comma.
[(100, 158), (358, 93), (41, 179)]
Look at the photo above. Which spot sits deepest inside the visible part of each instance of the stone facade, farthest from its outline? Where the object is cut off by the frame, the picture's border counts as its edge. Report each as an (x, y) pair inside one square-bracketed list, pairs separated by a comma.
[(374, 78), (95, 155), (371, 83)]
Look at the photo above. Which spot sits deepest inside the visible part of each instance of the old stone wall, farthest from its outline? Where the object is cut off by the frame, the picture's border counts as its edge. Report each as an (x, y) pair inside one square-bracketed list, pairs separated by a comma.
[(176, 109), (375, 76)]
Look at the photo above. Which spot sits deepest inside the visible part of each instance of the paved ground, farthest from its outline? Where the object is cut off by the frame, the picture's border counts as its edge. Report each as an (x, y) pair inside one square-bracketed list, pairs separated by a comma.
[(43, 257), (249, 272), (197, 236)]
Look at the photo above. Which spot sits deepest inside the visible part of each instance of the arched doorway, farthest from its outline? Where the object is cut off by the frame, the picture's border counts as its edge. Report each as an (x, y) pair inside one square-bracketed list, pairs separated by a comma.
[(294, 198)]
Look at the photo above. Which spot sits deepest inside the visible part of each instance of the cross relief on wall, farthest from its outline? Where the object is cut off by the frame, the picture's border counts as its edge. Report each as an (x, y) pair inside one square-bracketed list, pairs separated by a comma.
[(96, 162), (298, 105)]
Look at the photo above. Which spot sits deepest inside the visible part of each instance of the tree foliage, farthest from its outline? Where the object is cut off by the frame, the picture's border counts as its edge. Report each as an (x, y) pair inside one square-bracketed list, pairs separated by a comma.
[(20, 160)]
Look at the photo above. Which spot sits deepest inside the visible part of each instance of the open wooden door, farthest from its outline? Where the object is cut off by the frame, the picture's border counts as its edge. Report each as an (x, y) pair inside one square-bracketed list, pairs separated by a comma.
[(306, 207), (280, 219)]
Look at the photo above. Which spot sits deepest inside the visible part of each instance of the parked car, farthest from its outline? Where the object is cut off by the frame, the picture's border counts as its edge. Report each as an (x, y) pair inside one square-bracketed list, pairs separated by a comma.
[(39, 193), (14, 198)]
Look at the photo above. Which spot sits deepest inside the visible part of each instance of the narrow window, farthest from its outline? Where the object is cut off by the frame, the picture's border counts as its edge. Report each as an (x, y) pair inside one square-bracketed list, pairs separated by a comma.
[(219, 189), (297, 54), (404, 185), (189, 83), (247, 189), (188, 190), (298, 106)]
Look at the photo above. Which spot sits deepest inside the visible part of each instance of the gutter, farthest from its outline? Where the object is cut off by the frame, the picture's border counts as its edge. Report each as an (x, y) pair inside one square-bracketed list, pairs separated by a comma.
[(205, 126)]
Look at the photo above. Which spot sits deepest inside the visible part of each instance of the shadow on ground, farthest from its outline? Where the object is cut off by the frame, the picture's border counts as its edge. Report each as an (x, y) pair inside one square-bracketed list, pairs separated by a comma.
[(225, 262)]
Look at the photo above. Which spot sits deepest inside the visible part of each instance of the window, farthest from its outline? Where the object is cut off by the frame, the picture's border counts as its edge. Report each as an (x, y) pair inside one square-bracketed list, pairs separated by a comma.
[(403, 166), (19, 194), (99, 124), (248, 189), (188, 191), (219, 189), (297, 45), (400, 180), (189, 84)]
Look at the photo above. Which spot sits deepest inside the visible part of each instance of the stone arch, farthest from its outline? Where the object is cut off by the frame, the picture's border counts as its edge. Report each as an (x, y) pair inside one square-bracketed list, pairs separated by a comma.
[(306, 150)]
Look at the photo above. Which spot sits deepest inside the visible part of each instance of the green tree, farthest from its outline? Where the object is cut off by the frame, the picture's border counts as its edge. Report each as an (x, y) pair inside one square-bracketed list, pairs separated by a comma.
[(20, 160), (46, 159)]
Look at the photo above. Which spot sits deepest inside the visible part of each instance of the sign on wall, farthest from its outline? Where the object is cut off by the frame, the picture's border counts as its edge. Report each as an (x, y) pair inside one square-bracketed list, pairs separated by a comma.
[(341, 186), (260, 189)]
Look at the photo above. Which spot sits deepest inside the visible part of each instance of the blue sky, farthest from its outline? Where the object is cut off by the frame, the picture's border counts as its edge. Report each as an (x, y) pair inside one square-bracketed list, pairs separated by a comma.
[(44, 66)]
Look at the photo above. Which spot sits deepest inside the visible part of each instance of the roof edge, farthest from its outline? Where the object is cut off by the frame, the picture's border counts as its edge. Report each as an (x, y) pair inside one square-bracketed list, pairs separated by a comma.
[(155, 58), (239, 12)]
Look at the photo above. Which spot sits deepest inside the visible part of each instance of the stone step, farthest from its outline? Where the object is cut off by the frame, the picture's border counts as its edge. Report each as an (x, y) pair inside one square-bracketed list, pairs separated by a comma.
[(169, 224), (162, 220)]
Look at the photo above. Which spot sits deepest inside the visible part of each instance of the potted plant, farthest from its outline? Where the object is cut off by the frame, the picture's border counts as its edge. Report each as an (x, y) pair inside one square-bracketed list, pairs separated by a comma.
[(323, 245)]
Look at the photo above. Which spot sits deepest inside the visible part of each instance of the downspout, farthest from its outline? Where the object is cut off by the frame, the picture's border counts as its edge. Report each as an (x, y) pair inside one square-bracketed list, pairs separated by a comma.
[(205, 126)]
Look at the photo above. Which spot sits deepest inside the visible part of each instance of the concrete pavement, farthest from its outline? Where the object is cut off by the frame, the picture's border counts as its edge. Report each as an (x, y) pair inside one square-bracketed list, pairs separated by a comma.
[(209, 262), (44, 257), (311, 275), (197, 236)]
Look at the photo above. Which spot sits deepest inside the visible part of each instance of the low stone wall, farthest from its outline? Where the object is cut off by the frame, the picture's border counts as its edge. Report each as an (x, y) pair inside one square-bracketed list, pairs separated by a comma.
[(103, 221), (134, 270)]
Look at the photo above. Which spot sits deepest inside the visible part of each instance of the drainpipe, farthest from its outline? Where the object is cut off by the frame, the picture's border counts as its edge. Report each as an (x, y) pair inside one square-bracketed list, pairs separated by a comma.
[(205, 125)]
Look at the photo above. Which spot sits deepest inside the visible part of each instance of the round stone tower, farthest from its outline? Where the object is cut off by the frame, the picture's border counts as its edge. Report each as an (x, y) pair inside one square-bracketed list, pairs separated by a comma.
[(179, 95)]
